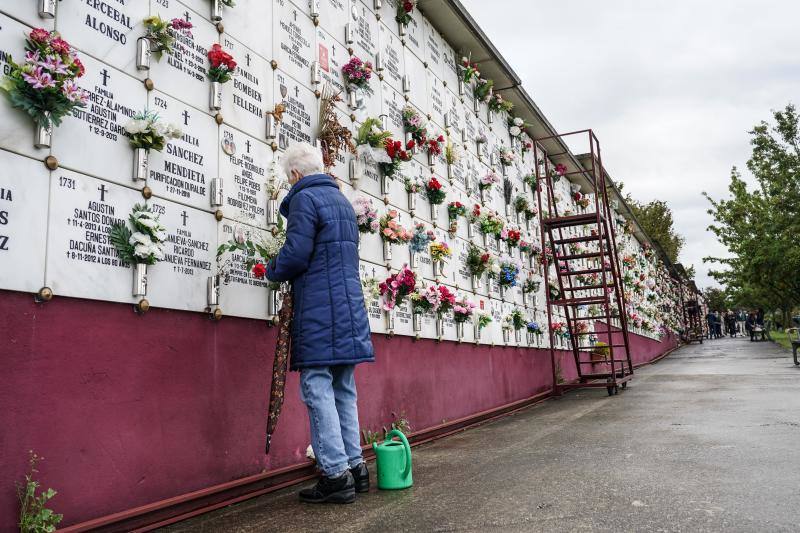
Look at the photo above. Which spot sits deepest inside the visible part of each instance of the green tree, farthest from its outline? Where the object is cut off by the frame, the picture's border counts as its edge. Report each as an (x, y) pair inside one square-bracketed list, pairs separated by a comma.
[(716, 299), (760, 227), (657, 221)]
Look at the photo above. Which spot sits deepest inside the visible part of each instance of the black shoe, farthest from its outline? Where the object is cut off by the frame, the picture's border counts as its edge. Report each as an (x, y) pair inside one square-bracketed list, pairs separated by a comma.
[(331, 490), (361, 477)]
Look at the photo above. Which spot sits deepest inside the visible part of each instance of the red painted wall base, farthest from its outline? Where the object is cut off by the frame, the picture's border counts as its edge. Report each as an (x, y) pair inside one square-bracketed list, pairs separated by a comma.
[(129, 410)]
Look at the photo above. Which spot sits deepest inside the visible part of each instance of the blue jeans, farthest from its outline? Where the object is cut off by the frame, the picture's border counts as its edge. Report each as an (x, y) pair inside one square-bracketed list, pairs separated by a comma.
[(329, 392)]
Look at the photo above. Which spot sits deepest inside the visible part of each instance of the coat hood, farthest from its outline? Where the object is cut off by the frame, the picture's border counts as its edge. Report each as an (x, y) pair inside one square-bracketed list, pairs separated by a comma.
[(312, 180)]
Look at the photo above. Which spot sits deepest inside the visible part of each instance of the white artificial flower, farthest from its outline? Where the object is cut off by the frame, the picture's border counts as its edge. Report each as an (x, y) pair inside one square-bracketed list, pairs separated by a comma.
[(147, 222), (142, 250), (160, 234), (514, 131), (139, 238), (135, 126), (157, 249), (174, 131), (518, 122), (159, 128), (495, 268)]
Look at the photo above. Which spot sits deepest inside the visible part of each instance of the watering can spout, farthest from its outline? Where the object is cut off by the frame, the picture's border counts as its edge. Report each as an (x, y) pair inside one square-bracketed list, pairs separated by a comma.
[(394, 462)]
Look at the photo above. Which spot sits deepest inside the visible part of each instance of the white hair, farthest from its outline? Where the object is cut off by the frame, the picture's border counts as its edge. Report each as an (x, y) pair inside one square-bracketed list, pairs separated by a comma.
[(303, 158)]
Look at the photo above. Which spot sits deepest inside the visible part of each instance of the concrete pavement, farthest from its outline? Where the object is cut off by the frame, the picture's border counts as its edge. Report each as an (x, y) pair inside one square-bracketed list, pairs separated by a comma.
[(705, 440)]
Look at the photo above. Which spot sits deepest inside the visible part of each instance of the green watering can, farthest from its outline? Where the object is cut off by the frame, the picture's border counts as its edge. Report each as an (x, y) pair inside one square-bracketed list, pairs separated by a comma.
[(394, 462)]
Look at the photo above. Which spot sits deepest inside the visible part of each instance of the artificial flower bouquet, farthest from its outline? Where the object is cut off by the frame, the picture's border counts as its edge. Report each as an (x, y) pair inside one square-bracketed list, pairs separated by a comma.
[(560, 329), (404, 10), (435, 298), (531, 285), (478, 262), (454, 210), (508, 272), (222, 64), (45, 84), (257, 253), (397, 154), (440, 251), (421, 239), (366, 215), (507, 156), (452, 152), (484, 319), (580, 199), (469, 70), (559, 171), (482, 91), (515, 126), (160, 33), (397, 287), (523, 207), (391, 230), (144, 243), (511, 236), (517, 319), (414, 185), (486, 182), (490, 223), (534, 328), (357, 74), (372, 137), (463, 309), (531, 180), (553, 290), (435, 192), (499, 104), (415, 125), (435, 146), (146, 130)]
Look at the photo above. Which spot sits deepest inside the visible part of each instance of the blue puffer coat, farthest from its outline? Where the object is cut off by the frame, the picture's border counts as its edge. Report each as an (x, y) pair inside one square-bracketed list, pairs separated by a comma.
[(320, 258)]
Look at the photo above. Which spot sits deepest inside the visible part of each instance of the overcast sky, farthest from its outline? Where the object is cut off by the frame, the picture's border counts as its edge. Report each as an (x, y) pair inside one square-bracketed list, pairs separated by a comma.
[(671, 88)]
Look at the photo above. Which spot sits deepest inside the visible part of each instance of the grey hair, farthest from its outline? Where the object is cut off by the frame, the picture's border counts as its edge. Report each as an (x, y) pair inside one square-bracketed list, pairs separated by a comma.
[(303, 158)]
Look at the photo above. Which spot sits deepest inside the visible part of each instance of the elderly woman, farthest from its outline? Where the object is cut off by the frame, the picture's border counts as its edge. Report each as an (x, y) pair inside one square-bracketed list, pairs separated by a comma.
[(330, 328)]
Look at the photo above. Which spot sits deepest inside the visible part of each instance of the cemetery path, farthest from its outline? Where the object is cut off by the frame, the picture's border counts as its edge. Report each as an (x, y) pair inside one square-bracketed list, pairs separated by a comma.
[(705, 440)]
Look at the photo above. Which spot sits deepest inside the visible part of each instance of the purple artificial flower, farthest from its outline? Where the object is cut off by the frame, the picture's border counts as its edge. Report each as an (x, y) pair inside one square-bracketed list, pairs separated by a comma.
[(74, 93), (54, 64), (39, 79)]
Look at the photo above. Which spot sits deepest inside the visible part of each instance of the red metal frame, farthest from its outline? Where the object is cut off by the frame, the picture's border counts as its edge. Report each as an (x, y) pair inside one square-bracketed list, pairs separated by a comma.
[(618, 367)]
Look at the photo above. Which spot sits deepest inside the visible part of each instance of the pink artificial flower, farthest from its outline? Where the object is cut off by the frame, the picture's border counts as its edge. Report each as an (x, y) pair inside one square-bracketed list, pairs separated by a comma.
[(60, 46), (54, 65), (40, 35), (39, 79), (74, 93)]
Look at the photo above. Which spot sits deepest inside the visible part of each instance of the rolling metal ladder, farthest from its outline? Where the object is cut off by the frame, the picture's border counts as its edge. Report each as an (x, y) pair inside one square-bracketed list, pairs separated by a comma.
[(584, 244)]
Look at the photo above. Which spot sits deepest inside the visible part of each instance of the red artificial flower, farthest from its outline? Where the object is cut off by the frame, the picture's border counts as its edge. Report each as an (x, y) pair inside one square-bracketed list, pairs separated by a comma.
[(218, 57), (79, 66), (40, 35), (60, 46), (561, 169), (434, 184), (259, 270), (410, 144), (440, 138), (404, 155), (408, 6), (485, 258)]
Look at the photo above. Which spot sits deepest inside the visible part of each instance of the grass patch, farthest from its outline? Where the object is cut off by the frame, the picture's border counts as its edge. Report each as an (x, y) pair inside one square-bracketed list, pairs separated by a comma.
[(782, 338)]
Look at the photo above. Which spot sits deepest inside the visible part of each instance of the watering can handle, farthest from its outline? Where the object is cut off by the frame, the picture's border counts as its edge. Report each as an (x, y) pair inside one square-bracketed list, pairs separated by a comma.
[(396, 433)]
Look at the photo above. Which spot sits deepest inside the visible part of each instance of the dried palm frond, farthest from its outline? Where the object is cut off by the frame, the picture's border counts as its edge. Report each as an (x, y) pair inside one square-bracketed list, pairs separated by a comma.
[(333, 137)]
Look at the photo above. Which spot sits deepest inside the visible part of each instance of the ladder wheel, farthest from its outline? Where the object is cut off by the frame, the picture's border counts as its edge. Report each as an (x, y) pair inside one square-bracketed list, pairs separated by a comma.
[(616, 389), (610, 390), (625, 385)]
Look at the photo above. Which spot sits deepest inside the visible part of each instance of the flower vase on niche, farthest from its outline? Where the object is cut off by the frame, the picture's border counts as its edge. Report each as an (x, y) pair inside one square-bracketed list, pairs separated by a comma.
[(434, 212), (222, 68), (476, 282), (470, 229), (459, 330), (47, 9), (417, 319), (439, 327), (146, 132), (212, 290), (273, 302), (45, 97), (438, 269), (412, 201), (272, 210), (390, 316), (217, 196), (140, 244), (477, 333), (414, 260), (484, 195), (143, 53), (386, 184), (518, 336), (387, 251), (506, 335)]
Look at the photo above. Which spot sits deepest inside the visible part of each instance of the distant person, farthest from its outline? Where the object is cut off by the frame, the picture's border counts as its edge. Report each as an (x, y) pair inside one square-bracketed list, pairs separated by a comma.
[(718, 324), (750, 325), (730, 323), (741, 317), (710, 322)]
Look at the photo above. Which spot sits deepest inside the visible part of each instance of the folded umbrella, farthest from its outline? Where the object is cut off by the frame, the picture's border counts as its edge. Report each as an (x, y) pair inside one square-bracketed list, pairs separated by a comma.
[(279, 366)]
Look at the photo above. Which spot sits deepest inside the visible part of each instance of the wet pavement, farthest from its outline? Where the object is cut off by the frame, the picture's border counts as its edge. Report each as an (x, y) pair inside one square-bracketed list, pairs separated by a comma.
[(707, 439)]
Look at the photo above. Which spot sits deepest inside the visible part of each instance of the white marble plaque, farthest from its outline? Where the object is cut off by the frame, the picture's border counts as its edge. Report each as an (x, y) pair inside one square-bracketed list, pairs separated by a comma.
[(437, 102), (249, 23), (81, 261), (183, 171), (249, 94), (244, 172), (179, 280), (393, 104), (333, 15), (24, 191), (433, 48), (241, 294), (106, 30), (294, 41), (182, 73), (415, 35), (393, 56), (28, 12), (332, 56), (370, 271), (365, 29), (300, 122), (450, 61), (17, 127), (92, 140)]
